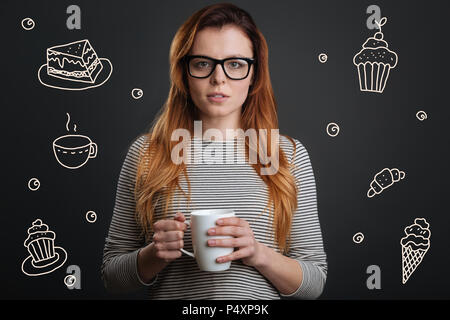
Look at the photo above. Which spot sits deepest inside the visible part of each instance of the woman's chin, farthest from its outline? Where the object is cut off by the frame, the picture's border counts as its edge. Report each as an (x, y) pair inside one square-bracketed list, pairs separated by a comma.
[(216, 110)]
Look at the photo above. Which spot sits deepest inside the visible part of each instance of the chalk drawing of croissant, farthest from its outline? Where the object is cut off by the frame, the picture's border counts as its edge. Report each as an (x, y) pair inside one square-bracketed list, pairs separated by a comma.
[(384, 179)]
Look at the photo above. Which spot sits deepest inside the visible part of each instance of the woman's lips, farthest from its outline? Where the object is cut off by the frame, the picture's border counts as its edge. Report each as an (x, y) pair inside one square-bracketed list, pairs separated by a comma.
[(217, 99)]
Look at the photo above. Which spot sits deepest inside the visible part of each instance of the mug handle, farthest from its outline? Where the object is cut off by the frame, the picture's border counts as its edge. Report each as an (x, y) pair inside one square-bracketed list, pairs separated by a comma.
[(93, 150), (184, 251)]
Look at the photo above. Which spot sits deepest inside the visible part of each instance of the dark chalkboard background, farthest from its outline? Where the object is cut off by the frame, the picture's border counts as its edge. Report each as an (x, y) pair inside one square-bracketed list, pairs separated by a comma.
[(376, 131)]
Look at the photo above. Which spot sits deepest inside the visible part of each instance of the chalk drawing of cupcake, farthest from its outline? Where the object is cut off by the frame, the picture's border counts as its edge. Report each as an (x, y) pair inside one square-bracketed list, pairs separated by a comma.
[(374, 62)]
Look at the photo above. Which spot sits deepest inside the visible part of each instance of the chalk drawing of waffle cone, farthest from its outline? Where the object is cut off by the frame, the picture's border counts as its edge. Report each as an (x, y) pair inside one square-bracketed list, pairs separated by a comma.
[(73, 151), (374, 62), (383, 180), (44, 256), (74, 66), (415, 244)]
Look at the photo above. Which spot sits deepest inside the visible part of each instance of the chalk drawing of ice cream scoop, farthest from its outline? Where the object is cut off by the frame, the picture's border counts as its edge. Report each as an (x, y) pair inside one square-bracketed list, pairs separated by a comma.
[(384, 179), (73, 151)]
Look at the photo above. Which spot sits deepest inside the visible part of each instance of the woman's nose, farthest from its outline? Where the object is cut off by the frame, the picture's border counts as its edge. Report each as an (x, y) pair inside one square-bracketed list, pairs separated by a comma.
[(218, 75)]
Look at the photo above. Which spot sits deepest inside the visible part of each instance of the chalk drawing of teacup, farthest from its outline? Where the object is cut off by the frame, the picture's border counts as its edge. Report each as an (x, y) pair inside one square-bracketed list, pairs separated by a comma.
[(73, 150)]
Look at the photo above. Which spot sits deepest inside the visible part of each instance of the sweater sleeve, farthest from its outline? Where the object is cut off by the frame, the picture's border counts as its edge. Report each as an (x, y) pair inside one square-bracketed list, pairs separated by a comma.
[(125, 237), (306, 244)]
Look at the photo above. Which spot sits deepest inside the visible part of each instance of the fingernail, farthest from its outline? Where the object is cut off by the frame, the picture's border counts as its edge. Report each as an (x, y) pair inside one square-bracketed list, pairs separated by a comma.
[(211, 242), (212, 231), (220, 221), (220, 259)]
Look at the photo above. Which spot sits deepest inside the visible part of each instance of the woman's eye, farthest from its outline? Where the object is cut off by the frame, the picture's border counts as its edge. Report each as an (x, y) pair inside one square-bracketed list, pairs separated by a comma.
[(235, 64), (202, 64)]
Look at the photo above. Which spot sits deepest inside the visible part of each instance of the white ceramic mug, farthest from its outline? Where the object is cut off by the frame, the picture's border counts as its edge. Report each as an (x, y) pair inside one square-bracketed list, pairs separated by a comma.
[(200, 222)]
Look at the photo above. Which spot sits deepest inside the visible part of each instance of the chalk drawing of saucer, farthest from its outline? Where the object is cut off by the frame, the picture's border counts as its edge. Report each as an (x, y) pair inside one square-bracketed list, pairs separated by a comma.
[(30, 268), (58, 83), (74, 66)]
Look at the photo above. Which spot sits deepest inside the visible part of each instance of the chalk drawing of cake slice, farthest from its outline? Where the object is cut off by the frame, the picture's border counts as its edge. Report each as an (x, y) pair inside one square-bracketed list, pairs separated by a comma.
[(74, 66), (374, 62)]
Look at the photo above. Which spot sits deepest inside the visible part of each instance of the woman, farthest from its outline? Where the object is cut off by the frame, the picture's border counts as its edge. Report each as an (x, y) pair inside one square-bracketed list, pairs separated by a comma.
[(220, 76)]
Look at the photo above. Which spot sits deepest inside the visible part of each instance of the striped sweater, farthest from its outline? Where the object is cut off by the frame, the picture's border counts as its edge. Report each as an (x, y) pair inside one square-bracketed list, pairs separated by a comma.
[(227, 185)]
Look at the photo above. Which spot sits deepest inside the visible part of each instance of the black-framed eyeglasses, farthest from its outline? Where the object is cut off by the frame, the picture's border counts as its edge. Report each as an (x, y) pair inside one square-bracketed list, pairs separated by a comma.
[(235, 68)]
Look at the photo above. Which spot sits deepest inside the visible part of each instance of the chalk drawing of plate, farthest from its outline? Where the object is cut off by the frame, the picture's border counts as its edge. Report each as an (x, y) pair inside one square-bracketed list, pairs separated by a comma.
[(58, 83), (31, 269)]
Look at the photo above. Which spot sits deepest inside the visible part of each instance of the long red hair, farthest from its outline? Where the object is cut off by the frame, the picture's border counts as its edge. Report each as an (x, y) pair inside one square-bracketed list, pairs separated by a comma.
[(156, 171)]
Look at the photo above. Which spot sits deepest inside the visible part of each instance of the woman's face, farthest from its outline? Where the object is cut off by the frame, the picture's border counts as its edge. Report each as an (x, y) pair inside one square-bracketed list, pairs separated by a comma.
[(229, 41)]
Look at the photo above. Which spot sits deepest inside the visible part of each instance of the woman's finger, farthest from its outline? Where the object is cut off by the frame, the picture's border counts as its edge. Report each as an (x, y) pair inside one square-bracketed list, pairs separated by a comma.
[(179, 216), (171, 245), (168, 255), (236, 255), (232, 221), (168, 224), (231, 242), (229, 231), (166, 236)]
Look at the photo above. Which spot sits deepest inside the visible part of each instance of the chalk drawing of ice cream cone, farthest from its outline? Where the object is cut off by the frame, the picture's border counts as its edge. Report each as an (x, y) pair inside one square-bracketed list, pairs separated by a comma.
[(73, 151), (44, 257), (74, 66), (374, 62), (415, 245), (383, 180)]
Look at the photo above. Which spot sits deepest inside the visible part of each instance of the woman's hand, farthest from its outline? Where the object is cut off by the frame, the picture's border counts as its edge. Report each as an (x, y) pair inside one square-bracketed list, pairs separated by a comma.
[(168, 237), (249, 250)]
